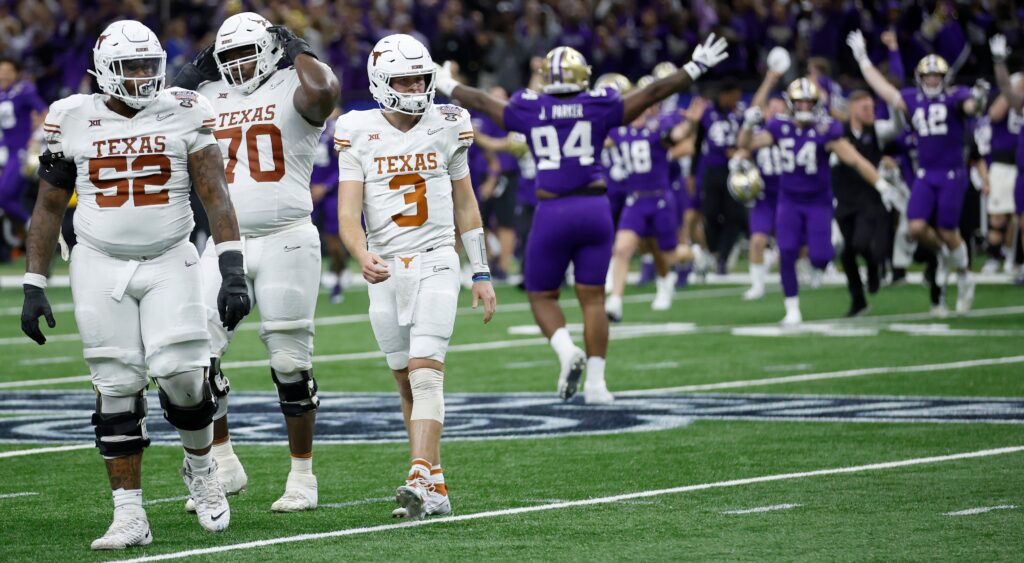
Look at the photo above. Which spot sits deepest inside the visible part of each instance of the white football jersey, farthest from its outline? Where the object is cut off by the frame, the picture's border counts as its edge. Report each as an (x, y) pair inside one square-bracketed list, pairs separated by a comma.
[(133, 181), (268, 152), (407, 177)]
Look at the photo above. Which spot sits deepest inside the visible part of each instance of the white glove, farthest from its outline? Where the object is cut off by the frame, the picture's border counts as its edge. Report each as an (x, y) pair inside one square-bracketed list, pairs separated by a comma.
[(706, 56), (735, 163), (443, 80), (979, 92), (752, 117), (779, 60), (890, 197), (1000, 50), (855, 40)]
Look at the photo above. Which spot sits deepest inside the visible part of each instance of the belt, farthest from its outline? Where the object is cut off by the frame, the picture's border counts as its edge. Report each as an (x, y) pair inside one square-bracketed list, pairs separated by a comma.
[(593, 189)]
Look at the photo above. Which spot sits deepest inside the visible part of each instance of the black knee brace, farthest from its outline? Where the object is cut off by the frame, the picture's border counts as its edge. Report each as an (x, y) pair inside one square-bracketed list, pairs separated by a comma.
[(190, 418), (121, 434), (299, 397), (218, 381)]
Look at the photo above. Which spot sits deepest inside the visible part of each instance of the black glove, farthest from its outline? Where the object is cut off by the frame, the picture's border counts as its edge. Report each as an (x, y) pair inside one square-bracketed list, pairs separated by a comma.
[(293, 44), (203, 68), (35, 306), (57, 171), (233, 298)]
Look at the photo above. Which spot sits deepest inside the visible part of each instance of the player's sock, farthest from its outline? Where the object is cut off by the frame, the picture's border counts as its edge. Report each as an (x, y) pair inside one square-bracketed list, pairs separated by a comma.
[(595, 370), (127, 500), (792, 304), (223, 450), (958, 256), (199, 463), (757, 274), (420, 468), (562, 342), (437, 477), (303, 465)]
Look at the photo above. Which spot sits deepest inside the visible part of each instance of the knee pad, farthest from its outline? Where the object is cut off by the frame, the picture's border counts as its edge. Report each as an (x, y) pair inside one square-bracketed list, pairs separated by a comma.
[(398, 360), (116, 372), (296, 393), (180, 356), (427, 346), (121, 425), (196, 416), (427, 394), (290, 344)]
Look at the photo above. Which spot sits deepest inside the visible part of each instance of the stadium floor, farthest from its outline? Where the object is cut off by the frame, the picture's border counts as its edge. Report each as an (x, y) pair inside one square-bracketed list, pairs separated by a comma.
[(895, 436)]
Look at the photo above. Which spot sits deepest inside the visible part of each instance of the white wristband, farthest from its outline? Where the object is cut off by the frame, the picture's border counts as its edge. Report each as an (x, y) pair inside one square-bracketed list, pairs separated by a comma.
[(693, 69), (37, 280), (228, 246), (476, 250)]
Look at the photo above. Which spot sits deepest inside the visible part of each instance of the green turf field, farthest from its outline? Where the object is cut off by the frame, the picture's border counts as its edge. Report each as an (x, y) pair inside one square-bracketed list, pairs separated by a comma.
[(709, 452)]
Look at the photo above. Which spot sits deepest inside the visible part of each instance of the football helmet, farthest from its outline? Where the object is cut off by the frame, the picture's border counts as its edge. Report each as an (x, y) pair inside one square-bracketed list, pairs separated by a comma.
[(644, 80), (803, 90), (932, 64), (614, 80), (401, 55), (565, 71), (745, 183), (663, 69), (123, 49), (244, 30)]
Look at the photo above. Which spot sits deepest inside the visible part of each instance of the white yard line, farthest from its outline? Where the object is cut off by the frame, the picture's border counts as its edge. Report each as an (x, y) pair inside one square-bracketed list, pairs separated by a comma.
[(760, 509), (34, 451), (16, 495), (47, 381), (577, 503), (830, 375), (164, 500), (356, 502), (24, 340), (981, 510), (55, 307)]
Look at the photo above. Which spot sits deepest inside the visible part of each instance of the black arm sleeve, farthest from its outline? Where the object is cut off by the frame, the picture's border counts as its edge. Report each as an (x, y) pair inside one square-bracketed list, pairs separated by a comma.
[(57, 171)]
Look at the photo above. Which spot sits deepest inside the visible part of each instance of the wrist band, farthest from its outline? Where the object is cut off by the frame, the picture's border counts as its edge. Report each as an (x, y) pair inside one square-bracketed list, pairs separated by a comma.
[(38, 280), (481, 277), (228, 246)]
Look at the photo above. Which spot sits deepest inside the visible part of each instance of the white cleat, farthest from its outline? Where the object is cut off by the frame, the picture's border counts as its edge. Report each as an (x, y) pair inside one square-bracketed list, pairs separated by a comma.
[(991, 266), (964, 295), (412, 498), (613, 308), (208, 492), (571, 371), (939, 311), (436, 503), (299, 494), (232, 476), (129, 529), (754, 293), (597, 394), (666, 288), (792, 319)]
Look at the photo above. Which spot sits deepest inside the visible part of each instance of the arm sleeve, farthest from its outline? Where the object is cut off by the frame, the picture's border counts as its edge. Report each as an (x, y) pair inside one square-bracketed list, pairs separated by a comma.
[(513, 115), (201, 135)]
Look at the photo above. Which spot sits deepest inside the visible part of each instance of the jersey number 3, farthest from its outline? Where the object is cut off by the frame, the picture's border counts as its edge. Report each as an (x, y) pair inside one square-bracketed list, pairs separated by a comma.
[(252, 138), (417, 196)]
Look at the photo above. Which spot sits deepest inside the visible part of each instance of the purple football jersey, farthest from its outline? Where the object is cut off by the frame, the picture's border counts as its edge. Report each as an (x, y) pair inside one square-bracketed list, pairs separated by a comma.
[(719, 133), (16, 106), (769, 162), (565, 134), (803, 158), (643, 158), (940, 126)]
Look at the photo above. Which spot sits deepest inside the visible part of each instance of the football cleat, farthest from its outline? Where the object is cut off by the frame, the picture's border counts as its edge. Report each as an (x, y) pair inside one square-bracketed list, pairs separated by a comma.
[(337, 294), (597, 394), (232, 476), (991, 266), (793, 318), (208, 492), (412, 497), (130, 528), (665, 290), (300, 494), (613, 308), (964, 294), (569, 376), (436, 503), (858, 310), (754, 293)]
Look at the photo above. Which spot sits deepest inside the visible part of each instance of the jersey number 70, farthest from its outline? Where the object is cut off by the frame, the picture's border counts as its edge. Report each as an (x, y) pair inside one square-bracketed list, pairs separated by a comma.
[(252, 136)]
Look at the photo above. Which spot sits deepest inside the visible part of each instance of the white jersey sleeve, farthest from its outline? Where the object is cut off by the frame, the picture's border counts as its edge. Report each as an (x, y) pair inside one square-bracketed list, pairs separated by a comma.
[(269, 149), (133, 181), (407, 176)]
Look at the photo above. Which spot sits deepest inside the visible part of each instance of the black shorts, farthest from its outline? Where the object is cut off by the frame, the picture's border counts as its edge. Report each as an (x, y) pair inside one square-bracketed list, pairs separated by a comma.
[(501, 207)]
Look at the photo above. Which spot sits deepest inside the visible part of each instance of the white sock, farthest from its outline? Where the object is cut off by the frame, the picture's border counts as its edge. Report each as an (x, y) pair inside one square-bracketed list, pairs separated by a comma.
[(302, 465), (221, 451), (127, 499), (562, 342), (199, 462), (757, 274), (595, 370), (792, 304), (959, 256)]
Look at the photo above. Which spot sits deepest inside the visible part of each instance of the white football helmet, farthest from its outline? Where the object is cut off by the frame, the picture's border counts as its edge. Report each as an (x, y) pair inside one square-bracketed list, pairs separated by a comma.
[(400, 55), (122, 50), (244, 30)]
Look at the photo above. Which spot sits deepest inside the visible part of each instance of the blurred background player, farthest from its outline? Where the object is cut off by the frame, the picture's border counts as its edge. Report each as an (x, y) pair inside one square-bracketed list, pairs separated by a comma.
[(498, 192), (403, 168), (269, 125), (1015, 101), (805, 140), (134, 276), (565, 125), (1006, 124), (324, 191), (21, 113), (938, 114)]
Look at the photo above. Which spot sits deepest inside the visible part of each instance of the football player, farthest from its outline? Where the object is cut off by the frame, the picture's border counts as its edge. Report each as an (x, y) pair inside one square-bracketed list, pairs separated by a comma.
[(804, 215), (1015, 100), (565, 125), (404, 169), (21, 112), (131, 154), (324, 190), (938, 114), (269, 122)]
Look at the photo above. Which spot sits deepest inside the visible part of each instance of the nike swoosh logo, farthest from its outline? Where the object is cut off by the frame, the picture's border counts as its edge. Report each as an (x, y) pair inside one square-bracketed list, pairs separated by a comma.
[(291, 248), (432, 131), (189, 264), (217, 517), (163, 117), (276, 84)]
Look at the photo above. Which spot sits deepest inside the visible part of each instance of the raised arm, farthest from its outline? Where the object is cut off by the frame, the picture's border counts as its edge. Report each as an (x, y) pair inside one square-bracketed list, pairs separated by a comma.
[(760, 99), (1000, 50), (872, 75), (705, 56), (318, 90), (749, 141), (470, 98)]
